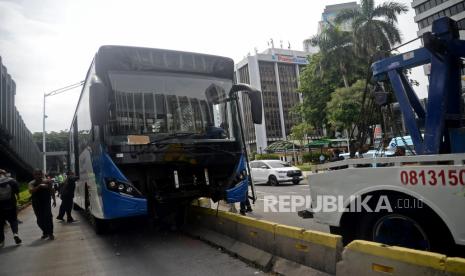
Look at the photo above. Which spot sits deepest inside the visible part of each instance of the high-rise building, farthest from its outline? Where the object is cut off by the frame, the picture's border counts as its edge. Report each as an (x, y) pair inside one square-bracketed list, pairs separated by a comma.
[(429, 10), (327, 17), (276, 73), (330, 12)]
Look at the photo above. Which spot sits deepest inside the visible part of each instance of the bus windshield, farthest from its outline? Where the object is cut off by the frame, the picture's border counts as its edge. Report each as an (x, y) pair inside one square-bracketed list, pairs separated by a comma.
[(170, 103)]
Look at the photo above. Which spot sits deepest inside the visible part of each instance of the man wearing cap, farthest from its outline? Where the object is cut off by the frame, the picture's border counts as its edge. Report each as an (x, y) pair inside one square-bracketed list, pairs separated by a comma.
[(9, 191)]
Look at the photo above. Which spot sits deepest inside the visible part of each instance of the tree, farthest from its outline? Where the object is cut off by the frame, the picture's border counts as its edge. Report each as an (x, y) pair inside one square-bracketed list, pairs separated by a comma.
[(345, 105), (336, 48), (56, 141), (300, 132), (374, 27), (316, 90)]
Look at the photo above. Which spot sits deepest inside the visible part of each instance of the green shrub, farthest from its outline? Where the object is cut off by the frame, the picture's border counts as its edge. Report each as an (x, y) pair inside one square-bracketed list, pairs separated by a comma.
[(305, 167), (24, 195), (313, 157)]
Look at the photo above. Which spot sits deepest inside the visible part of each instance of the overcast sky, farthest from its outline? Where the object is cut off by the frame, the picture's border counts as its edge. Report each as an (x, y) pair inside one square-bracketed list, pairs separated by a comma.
[(49, 44)]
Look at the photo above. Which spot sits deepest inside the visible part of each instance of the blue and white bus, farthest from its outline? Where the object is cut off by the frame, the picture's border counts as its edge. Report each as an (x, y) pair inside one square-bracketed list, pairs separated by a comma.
[(156, 127)]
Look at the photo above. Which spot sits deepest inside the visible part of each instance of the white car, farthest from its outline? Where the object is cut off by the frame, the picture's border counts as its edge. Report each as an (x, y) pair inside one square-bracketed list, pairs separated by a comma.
[(370, 154), (274, 172)]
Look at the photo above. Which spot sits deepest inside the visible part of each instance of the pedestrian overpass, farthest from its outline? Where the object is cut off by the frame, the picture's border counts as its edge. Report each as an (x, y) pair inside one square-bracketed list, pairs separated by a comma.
[(18, 152)]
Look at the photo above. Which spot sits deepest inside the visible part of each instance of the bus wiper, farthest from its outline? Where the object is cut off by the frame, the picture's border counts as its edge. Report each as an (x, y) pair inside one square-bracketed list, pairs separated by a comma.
[(172, 136)]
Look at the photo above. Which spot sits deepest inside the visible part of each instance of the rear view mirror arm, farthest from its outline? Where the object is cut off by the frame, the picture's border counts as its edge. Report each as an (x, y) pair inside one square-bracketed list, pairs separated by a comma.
[(244, 148), (233, 96)]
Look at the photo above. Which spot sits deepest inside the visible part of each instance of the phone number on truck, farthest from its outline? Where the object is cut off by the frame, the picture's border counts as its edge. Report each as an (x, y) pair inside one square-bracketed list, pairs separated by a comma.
[(433, 177)]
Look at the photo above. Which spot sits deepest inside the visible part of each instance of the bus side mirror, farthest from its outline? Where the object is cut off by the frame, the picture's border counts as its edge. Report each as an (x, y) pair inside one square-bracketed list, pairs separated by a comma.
[(255, 97), (256, 106), (98, 104)]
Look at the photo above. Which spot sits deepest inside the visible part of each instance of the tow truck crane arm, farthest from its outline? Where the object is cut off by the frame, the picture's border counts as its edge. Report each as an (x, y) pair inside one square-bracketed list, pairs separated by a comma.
[(443, 119)]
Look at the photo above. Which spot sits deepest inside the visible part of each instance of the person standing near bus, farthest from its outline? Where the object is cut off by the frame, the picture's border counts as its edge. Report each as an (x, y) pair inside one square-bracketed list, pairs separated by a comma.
[(9, 191), (67, 195), (41, 194)]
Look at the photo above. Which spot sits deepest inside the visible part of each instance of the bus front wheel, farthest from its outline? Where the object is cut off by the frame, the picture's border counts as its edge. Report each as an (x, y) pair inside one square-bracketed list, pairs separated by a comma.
[(100, 226)]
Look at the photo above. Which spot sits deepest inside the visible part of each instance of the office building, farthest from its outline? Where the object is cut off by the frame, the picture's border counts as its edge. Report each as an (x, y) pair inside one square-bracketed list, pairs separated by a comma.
[(327, 17), (429, 10), (276, 73), (426, 11)]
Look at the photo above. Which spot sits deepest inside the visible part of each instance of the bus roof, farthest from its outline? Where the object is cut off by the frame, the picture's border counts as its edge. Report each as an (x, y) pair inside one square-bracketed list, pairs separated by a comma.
[(126, 58)]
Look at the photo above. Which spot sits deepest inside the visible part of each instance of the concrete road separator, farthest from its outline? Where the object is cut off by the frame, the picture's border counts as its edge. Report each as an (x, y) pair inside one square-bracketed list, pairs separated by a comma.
[(370, 258), (311, 248), (317, 250), (291, 250)]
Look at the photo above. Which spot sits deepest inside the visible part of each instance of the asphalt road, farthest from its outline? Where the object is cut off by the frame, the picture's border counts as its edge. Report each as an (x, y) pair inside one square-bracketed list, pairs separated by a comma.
[(136, 249), (282, 193)]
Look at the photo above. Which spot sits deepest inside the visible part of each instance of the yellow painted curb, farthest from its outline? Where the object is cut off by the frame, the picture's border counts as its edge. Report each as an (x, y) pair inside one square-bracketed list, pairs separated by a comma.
[(201, 202), (405, 255), (455, 265), (297, 233), (325, 239), (252, 222), (289, 231), (260, 224), (227, 215)]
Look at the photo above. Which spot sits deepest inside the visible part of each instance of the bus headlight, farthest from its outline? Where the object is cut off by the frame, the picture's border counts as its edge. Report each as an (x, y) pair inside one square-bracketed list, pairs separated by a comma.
[(122, 188)]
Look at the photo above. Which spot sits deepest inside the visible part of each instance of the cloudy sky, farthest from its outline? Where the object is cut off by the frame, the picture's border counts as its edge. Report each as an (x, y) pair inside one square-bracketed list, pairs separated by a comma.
[(49, 44)]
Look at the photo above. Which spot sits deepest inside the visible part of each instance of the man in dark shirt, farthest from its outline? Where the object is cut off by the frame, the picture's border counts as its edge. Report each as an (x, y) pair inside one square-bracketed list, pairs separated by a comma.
[(41, 194), (67, 195), (9, 191)]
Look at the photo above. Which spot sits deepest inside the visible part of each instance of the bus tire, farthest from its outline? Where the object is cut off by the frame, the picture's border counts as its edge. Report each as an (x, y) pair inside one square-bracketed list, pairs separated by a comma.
[(413, 228), (76, 207), (100, 226)]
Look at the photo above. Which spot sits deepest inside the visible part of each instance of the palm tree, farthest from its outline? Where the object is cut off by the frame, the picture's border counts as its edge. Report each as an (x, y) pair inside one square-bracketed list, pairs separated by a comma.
[(336, 47), (374, 27)]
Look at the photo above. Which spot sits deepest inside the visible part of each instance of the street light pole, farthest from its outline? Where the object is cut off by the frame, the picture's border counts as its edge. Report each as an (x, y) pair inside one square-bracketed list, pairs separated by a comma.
[(53, 93), (44, 155)]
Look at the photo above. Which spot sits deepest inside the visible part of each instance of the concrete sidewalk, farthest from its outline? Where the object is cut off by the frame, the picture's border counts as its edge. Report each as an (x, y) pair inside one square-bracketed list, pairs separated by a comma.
[(135, 249)]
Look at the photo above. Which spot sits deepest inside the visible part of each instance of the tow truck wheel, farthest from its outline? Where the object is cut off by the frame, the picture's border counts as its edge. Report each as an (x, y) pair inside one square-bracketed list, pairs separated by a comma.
[(273, 181), (413, 228), (398, 229)]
